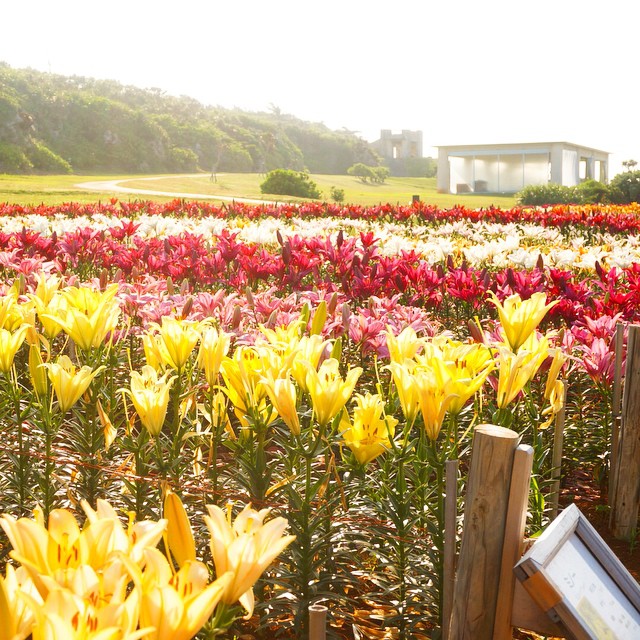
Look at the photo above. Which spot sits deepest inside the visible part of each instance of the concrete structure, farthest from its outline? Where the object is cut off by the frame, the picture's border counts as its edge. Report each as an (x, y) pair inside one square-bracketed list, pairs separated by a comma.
[(398, 146), (507, 168)]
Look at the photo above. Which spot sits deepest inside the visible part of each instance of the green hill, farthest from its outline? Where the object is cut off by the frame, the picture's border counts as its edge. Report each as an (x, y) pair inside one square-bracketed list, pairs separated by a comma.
[(59, 124)]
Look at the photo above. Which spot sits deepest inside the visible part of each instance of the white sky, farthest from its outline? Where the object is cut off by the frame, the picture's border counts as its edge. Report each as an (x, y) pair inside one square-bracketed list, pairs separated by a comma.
[(462, 71)]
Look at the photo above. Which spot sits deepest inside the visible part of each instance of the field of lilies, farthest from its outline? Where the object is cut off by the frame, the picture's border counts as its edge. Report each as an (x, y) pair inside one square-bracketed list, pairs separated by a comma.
[(214, 417)]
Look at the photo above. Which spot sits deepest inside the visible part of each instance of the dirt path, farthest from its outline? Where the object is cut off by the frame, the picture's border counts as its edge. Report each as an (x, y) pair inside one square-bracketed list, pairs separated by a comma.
[(116, 185)]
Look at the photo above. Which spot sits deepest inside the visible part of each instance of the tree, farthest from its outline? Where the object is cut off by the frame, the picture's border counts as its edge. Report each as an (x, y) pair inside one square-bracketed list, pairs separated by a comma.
[(625, 187), (361, 171), (380, 174), (629, 165), (290, 183)]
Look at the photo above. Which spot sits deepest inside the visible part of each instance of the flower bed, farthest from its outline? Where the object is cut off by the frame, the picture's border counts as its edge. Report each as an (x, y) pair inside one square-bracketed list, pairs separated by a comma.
[(318, 361)]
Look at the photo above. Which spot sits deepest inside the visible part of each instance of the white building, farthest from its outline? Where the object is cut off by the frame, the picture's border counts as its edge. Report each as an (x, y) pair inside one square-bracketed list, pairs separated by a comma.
[(507, 168)]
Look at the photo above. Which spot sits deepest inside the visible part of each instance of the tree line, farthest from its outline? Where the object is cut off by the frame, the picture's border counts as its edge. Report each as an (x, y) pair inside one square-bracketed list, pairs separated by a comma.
[(71, 124)]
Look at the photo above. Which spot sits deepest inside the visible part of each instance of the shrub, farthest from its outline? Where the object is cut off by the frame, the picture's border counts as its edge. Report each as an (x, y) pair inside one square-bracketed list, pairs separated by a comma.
[(541, 194), (337, 195), (46, 161), (593, 192), (625, 187), (290, 183)]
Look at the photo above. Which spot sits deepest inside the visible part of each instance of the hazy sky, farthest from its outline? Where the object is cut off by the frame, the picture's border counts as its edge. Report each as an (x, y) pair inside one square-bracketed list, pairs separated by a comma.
[(462, 71)]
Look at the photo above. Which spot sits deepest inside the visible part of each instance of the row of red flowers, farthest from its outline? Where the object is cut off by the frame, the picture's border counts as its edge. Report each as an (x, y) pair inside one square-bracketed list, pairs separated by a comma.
[(352, 266), (612, 218)]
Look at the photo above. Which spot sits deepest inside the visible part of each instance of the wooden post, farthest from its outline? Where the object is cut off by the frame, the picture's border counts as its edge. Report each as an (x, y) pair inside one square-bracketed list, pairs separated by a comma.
[(615, 416), (450, 533), (317, 622), (627, 498), (556, 459), (513, 538), (479, 565)]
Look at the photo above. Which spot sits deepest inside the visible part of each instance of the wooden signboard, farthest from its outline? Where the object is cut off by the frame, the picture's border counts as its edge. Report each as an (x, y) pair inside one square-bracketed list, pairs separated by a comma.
[(572, 574)]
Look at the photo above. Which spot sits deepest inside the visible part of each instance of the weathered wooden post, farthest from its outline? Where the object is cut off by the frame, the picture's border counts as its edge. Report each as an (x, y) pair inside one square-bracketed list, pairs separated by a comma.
[(485, 515), (317, 622), (450, 532), (615, 415), (556, 457), (627, 490)]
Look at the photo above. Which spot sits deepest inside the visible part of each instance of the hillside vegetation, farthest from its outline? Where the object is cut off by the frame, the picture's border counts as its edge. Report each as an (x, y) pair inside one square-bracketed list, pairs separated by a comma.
[(58, 124)]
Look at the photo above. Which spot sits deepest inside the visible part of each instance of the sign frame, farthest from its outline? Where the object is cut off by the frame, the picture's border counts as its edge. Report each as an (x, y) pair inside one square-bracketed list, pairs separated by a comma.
[(571, 546)]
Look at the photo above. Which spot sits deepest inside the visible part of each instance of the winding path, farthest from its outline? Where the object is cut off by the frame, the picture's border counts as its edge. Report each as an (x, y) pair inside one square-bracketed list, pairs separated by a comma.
[(116, 185)]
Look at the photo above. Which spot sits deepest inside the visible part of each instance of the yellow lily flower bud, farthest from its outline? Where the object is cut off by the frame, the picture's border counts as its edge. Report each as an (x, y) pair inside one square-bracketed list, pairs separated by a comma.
[(179, 534), (10, 342), (214, 346)]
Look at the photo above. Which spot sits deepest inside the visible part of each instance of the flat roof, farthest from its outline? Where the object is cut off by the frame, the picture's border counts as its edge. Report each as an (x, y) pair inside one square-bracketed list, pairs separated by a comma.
[(504, 145)]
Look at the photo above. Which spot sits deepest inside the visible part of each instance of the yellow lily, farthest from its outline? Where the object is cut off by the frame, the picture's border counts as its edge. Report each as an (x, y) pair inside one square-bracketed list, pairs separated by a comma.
[(245, 549), (46, 288), (37, 372), (308, 352), (49, 311), (214, 346), (556, 403), (467, 366), (284, 336), (91, 315), (405, 345), (16, 617), (131, 542), (242, 374), (8, 302), (179, 534), (435, 394), (179, 338), (520, 318), (406, 388), (515, 370), (58, 550), (10, 342), (329, 392), (176, 606), (150, 396), (559, 358), (69, 383), (283, 396), (371, 432), (66, 615)]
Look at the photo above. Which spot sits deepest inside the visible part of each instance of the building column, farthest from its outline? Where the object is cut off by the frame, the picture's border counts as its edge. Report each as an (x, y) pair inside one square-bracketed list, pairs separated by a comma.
[(444, 171)]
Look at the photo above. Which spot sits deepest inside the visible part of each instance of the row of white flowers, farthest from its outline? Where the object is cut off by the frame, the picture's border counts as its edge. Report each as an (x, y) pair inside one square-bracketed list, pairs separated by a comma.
[(480, 243)]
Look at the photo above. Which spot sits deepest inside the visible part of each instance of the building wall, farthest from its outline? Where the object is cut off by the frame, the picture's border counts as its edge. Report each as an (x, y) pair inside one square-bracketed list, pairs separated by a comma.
[(509, 168)]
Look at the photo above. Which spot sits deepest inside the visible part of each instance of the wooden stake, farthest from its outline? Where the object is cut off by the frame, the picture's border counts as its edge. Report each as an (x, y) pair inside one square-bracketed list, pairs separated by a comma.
[(450, 534), (556, 460), (479, 567), (513, 538), (615, 415), (627, 497), (317, 622)]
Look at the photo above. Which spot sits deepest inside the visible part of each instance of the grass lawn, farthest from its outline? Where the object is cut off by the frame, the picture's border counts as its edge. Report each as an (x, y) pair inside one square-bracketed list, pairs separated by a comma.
[(53, 190)]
